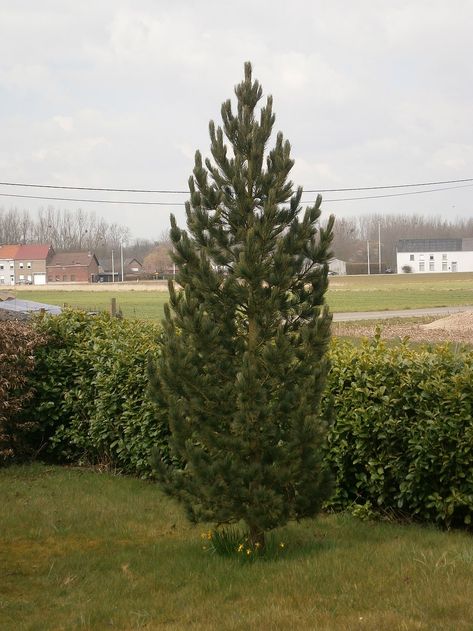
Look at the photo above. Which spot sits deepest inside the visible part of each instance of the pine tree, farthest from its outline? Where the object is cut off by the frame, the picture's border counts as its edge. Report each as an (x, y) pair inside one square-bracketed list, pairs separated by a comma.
[(243, 363)]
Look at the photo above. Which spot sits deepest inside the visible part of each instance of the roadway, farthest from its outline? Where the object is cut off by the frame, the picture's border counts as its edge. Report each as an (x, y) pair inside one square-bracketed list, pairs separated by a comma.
[(403, 313)]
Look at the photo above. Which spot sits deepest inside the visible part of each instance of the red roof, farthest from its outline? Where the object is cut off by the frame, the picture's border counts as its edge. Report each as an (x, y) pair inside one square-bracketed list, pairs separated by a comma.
[(8, 251), (73, 258), (33, 252)]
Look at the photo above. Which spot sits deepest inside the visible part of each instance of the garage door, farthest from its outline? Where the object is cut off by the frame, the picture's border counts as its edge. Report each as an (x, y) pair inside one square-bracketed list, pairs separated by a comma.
[(39, 279)]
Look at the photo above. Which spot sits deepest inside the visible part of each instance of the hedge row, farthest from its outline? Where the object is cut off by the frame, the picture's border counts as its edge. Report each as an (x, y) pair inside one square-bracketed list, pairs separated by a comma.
[(91, 385), (17, 346), (401, 438)]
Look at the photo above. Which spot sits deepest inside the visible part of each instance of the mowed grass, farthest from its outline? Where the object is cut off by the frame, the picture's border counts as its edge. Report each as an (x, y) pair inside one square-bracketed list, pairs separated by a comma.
[(83, 550), (144, 305), (403, 291), (346, 293)]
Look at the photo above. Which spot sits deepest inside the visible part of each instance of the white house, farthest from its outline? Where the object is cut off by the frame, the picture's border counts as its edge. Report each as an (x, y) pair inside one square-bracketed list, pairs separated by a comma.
[(434, 255), (337, 266)]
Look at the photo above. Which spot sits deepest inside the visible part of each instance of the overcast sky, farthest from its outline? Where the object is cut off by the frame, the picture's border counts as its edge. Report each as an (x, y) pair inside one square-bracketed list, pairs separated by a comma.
[(119, 93)]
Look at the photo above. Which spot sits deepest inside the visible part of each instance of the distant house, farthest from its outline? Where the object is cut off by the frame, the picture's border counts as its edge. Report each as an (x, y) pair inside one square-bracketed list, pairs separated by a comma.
[(30, 263), (73, 267), (337, 266), (434, 255), (133, 269), (105, 274), (7, 264), (24, 264)]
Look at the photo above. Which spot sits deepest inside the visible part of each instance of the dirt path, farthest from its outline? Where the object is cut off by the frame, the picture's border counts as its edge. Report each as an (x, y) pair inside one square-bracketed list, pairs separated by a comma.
[(457, 327)]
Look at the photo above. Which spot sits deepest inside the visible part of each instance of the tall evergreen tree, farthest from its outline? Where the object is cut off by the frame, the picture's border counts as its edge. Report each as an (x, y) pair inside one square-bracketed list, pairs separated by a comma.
[(243, 361)]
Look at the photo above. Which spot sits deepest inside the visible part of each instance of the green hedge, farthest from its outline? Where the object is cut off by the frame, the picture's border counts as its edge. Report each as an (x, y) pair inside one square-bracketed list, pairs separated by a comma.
[(402, 439), (91, 391)]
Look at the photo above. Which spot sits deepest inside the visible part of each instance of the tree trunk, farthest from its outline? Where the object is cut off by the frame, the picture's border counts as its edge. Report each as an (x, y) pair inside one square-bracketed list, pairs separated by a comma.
[(256, 538)]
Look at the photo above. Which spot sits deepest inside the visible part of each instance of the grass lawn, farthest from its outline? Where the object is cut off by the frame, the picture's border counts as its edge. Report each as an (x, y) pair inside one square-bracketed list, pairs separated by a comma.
[(82, 550), (404, 291), (346, 293), (145, 305)]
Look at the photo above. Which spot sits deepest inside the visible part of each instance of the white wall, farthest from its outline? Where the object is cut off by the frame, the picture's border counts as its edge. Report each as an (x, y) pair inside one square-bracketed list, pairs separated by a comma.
[(338, 266), (441, 261)]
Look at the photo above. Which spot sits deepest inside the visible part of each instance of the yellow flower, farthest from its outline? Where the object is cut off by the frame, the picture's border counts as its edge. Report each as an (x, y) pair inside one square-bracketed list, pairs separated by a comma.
[(248, 551), (240, 547), (281, 545), (209, 535), (257, 545)]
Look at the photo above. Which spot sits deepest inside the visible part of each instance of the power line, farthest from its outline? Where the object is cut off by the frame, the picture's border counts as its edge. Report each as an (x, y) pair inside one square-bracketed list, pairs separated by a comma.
[(92, 188), (172, 192), (148, 203), (377, 188), (431, 190), (93, 201)]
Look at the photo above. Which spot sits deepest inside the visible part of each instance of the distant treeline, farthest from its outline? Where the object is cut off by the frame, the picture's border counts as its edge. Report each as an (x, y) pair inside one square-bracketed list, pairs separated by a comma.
[(82, 230), (70, 231)]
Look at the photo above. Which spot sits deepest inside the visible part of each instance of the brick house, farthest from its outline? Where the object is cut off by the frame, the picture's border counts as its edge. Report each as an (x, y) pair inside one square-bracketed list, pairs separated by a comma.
[(73, 267)]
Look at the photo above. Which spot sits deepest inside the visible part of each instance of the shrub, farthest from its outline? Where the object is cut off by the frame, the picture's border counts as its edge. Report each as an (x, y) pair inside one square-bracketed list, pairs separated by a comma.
[(403, 435), (91, 386), (17, 344)]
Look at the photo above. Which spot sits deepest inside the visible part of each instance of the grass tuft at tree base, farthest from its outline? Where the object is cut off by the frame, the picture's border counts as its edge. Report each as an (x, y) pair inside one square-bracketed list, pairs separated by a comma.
[(234, 542)]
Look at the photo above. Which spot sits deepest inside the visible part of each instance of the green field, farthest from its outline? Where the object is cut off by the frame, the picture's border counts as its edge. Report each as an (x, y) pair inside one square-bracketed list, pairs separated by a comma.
[(346, 293), (145, 305), (83, 550)]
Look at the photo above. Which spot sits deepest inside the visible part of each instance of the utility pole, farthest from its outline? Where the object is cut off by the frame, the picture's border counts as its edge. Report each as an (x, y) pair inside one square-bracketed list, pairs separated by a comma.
[(113, 268), (368, 254), (379, 247), (121, 258)]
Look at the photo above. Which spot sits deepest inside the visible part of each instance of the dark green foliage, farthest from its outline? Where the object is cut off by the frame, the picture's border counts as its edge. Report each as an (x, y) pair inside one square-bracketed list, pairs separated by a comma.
[(403, 436), (89, 381), (18, 342), (243, 362)]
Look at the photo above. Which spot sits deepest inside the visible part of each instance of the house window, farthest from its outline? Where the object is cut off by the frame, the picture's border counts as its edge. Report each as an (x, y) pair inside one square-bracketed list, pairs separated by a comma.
[(421, 266), (64, 278), (432, 266), (2, 266), (431, 257), (21, 265), (444, 266), (73, 277), (411, 257), (11, 264), (22, 277), (2, 280), (50, 279), (28, 265), (57, 279), (444, 257)]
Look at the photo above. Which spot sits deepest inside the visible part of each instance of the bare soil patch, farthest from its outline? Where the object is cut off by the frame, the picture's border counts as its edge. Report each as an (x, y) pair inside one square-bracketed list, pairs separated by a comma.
[(457, 327)]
